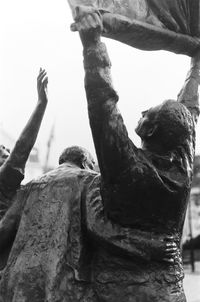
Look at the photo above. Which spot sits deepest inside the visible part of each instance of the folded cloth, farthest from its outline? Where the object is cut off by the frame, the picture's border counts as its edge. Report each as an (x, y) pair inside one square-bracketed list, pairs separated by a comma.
[(172, 25)]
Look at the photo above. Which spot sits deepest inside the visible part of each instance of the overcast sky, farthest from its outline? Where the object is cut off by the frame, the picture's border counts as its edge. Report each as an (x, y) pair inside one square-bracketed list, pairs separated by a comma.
[(37, 33)]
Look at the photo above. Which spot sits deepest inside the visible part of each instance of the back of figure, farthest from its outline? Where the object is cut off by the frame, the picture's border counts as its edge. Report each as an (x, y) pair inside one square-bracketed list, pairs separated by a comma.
[(40, 252)]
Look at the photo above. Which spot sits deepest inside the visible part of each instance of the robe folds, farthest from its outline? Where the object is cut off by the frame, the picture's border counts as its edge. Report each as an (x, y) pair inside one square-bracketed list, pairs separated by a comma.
[(172, 25)]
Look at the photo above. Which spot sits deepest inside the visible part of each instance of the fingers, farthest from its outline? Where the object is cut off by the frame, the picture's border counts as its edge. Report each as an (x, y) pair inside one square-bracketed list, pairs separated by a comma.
[(45, 82), (42, 81), (81, 11), (88, 23), (170, 252), (171, 245), (169, 249), (86, 18), (168, 260), (169, 238), (170, 255), (42, 77), (42, 73)]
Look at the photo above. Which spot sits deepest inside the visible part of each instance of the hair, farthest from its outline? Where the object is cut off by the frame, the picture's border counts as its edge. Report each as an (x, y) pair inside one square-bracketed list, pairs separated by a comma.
[(174, 124), (77, 155)]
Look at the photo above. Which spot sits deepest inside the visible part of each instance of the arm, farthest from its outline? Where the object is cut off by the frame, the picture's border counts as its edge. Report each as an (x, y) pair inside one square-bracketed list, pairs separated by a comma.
[(126, 241), (10, 221), (12, 171), (188, 95), (26, 140), (109, 132)]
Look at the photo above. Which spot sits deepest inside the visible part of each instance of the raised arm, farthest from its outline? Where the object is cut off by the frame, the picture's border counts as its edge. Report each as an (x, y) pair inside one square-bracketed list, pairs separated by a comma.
[(188, 95), (109, 132), (27, 138), (12, 170)]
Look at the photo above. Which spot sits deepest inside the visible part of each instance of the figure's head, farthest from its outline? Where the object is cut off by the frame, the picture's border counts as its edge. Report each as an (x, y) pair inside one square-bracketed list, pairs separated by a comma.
[(165, 126), (4, 153), (79, 156)]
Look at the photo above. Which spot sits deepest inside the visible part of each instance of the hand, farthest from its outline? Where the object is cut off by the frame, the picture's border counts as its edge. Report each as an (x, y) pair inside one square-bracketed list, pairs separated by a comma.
[(89, 24), (164, 249), (170, 250), (42, 81)]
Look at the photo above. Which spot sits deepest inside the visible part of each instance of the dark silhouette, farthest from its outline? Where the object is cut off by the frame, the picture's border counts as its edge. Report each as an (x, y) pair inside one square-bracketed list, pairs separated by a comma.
[(144, 189), (61, 226), (12, 164)]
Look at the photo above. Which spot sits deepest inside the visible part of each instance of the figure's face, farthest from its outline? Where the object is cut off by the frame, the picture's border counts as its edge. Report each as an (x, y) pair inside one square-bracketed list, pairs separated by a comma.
[(90, 162), (146, 124), (4, 153), (142, 121)]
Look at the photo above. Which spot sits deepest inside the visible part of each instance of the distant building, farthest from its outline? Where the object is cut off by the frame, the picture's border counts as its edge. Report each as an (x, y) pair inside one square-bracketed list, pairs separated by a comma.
[(33, 165)]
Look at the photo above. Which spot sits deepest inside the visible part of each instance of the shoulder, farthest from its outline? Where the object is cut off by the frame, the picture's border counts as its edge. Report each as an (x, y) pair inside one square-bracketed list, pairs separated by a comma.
[(10, 173), (10, 179), (66, 174)]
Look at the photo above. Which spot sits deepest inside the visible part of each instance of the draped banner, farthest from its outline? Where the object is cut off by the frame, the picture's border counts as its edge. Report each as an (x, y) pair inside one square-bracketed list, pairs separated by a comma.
[(172, 25)]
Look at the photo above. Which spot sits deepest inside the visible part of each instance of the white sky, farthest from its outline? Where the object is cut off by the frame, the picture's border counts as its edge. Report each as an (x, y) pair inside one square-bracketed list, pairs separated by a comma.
[(36, 33)]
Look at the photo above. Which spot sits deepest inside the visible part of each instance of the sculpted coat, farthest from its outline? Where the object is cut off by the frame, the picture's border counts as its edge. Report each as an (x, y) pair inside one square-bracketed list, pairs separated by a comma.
[(65, 246), (142, 188)]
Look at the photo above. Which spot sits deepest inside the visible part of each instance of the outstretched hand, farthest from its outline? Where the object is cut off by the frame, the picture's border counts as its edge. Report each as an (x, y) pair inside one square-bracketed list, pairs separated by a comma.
[(89, 24), (165, 249), (170, 250), (42, 81)]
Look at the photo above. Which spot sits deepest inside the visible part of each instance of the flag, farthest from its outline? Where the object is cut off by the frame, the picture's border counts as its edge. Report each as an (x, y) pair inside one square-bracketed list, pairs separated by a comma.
[(172, 25)]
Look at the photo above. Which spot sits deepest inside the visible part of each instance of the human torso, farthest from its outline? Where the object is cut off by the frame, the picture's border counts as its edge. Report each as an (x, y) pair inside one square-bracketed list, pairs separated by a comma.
[(151, 194), (119, 279), (41, 247)]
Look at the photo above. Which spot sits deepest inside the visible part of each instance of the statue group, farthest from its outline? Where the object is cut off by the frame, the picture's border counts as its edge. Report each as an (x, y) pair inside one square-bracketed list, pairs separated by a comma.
[(77, 235)]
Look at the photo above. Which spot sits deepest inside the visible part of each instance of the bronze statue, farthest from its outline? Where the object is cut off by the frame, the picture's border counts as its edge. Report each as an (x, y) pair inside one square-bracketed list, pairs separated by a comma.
[(61, 227), (13, 164), (144, 189), (112, 237), (149, 24)]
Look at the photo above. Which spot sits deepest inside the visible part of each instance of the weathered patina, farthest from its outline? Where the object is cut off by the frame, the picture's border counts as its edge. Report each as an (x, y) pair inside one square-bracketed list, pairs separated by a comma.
[(142, 188), (12, 167), (62, 228), (149, 24)]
